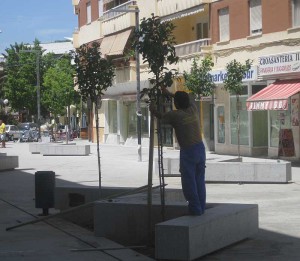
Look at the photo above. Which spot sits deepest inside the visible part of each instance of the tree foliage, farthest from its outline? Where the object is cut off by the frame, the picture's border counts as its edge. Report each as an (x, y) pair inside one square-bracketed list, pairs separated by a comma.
[(59, 86), (20, 71), (235, 73), (199, 81), (155, 41), (94, 73)]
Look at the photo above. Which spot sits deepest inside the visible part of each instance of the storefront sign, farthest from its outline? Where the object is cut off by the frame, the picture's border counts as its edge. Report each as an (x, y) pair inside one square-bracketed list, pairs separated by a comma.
[(279, 64), (219, 76), (278, 105)]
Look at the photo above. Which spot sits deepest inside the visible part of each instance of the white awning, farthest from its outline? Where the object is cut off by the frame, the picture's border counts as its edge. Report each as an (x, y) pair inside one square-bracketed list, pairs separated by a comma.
[(114, 44), (183, 13)]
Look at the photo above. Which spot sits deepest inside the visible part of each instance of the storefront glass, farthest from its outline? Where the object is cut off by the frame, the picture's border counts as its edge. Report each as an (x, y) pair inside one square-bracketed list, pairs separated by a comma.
[(278, 120), (112, 117), (244, 121), (132, 119)]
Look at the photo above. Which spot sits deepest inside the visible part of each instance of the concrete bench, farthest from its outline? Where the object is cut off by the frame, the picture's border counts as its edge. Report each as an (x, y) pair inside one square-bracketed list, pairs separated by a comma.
[(271, 171), (8, 162), (191, 237), (65, 150)]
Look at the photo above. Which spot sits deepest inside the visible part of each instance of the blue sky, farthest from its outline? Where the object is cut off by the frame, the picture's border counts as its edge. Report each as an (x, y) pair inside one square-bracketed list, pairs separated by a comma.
[(26, 20)]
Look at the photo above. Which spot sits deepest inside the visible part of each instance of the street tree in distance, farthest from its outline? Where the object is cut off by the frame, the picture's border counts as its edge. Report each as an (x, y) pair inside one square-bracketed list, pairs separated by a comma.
[(59, 92), (20, 83), (199, 80), (233, 83), (94, 75)]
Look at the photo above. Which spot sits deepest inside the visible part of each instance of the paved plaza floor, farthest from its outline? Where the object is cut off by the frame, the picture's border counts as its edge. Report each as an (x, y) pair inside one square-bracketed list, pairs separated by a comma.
[(279, 208)]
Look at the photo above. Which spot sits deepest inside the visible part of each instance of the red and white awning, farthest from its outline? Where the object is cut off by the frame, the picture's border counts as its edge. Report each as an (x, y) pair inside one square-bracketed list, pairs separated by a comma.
[(274, 96)]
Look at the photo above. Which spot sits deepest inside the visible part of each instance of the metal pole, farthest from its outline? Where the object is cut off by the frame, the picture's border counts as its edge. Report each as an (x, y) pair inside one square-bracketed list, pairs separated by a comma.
[(138, 88), (38, 90)]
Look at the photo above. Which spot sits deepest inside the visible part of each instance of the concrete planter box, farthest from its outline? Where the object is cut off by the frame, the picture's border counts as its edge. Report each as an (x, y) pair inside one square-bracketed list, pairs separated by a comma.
[(65, 150), (191, 237), (181, 237), (8, 162), (271, 171)]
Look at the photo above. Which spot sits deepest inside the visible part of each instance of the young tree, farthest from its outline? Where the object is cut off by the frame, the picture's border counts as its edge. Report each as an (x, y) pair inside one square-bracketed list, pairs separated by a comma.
[(199, 81), (155, 41), (59, 90), (233, 84), (94, 75)]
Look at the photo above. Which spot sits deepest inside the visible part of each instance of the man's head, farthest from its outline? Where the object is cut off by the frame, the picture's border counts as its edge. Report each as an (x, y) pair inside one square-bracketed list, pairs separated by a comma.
[(181, 100)]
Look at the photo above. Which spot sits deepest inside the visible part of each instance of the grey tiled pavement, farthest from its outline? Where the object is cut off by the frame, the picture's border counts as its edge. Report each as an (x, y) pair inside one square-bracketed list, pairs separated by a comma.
[(279, 208)]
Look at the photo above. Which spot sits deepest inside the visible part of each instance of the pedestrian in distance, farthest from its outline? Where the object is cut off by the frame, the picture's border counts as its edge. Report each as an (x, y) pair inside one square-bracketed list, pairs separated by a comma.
[(2, 133), (186, 123)]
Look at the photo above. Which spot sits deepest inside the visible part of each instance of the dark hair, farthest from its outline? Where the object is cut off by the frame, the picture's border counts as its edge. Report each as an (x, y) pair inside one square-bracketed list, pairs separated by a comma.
[(181, 100)]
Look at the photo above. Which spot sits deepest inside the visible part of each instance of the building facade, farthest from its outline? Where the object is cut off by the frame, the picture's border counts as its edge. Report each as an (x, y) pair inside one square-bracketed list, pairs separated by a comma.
[(263, 31), (268, 33)]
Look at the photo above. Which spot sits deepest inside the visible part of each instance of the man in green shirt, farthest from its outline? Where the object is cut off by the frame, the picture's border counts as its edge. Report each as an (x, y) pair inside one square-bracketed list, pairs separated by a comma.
[(186, 123)]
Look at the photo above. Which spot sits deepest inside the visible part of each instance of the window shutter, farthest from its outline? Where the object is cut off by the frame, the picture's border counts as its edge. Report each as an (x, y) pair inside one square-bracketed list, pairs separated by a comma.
[(255, 16), (224, 24), (296, 13), (88, 13), (100, 4)]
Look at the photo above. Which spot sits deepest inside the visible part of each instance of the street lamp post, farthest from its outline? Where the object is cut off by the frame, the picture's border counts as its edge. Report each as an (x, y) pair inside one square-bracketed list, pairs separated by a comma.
[(38, 84)]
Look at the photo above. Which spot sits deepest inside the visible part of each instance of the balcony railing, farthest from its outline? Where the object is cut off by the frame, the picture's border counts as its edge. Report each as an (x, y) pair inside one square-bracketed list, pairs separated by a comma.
[(113, 12), (191, 47)]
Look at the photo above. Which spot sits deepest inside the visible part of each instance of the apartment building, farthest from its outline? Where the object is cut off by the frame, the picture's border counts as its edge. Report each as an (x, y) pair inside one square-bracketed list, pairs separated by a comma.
[(100, 20), (264, 31), (268, 33)]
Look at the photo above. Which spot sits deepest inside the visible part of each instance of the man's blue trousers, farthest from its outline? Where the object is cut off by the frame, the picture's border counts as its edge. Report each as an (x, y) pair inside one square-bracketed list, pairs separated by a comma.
[(192, 169)]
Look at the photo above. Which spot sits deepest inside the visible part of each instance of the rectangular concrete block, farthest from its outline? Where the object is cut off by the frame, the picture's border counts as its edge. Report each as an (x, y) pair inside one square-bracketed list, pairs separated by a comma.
[(9, 162), (65, 150), (127, 222), (190, 237), (251, 172)]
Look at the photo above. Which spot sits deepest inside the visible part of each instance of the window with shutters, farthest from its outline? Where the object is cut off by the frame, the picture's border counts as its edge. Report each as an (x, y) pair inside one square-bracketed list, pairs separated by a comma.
[(255, 17), (88, 13), (224, 25), (100, 7), (296, 13)]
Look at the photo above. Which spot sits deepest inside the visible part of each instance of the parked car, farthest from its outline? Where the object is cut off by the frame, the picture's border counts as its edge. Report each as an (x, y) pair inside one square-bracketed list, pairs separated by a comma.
[(12, 132)]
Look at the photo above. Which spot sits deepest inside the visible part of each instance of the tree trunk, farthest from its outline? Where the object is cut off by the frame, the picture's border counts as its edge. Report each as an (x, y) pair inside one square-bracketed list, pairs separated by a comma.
[(98, 146), (150, 174), (238, 107), (68, 125)]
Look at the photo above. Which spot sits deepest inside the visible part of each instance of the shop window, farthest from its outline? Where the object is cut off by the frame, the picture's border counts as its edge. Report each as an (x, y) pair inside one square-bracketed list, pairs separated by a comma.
[(259, 123), (255, 17), (112, 117), (88, 13), (244, 121), (296, 13), (221, 124), (278, 120), (224, 25)]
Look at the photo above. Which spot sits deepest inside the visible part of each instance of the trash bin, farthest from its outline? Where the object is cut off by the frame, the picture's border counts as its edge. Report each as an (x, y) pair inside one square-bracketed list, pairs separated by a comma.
[(44, 190)]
